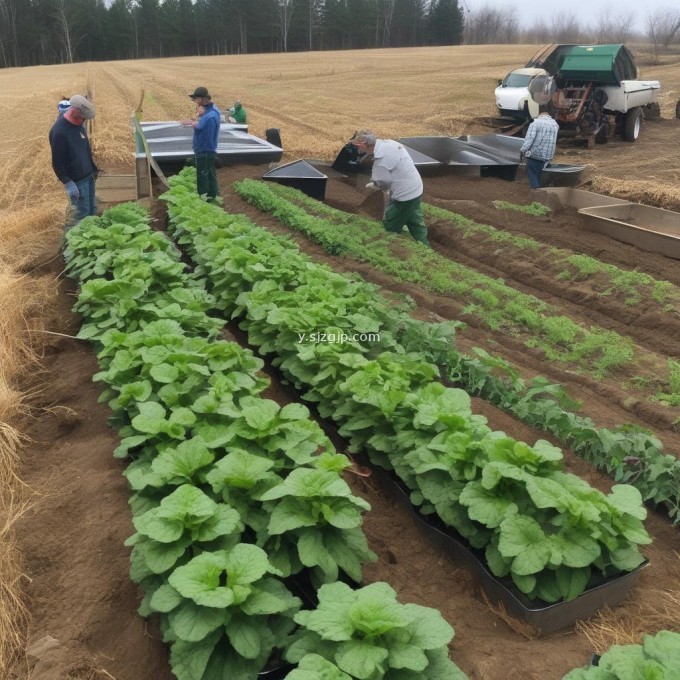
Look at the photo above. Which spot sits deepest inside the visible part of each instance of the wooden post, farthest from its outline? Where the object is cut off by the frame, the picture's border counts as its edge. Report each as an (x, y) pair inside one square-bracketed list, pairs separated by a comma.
[(146, 164)]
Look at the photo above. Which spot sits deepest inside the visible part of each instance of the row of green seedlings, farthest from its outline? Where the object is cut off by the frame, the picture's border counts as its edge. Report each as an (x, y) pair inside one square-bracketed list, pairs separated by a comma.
[(606, 278), (627, 453), (233, 496), (554, 335), (635, 286), (500, 307), (549, 531)]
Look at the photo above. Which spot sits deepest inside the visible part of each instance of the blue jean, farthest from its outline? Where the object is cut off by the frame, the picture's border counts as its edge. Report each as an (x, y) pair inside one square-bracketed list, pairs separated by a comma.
[(534, 169), (86, 204)]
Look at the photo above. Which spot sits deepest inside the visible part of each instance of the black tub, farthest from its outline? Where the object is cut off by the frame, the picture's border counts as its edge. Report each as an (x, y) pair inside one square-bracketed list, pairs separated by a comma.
[(300, 175), (561, 175), (545, 618)]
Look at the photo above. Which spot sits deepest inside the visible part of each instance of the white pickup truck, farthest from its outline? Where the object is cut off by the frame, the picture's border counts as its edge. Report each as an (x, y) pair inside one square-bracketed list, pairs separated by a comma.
[(594, 91)]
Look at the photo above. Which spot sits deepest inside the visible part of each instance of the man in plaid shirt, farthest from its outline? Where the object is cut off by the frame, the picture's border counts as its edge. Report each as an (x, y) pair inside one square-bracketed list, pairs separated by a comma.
[(539, 145)]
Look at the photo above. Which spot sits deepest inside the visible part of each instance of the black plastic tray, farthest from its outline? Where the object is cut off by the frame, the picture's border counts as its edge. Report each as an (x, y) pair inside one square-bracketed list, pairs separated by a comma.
[(277, 673), (545, 618)]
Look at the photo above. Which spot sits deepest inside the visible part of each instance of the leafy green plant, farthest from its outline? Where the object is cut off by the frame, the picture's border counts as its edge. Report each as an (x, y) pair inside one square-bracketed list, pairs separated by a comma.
[(222, 594), (185, 519), (315, 521), (370, 636), (165, 385), (315, 667), (657, 658), (386, 402)]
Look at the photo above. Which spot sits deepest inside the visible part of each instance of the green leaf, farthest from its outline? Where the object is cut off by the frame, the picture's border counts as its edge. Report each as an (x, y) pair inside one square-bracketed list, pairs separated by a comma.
[(192, 623), (164, 373), (151, 418), (259, 413), (522, 538), (486, 506), (664, 647), (627, 499), (361, 659), (571, 582), (244, 635), (269, 597), (288, 515), (165, 599), (313, 552), (199, 580), (408, 656), (190, 659), (627, 558), (161, 557), (245, 564), (330, 619), (428, 629), (315, 667)]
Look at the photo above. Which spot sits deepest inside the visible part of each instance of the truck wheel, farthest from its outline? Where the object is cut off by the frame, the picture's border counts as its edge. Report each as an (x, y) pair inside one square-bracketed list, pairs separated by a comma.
[(631, 124), (677, 109)]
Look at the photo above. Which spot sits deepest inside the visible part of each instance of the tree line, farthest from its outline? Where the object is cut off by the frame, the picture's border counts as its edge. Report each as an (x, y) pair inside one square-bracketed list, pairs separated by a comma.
[(62, 31)]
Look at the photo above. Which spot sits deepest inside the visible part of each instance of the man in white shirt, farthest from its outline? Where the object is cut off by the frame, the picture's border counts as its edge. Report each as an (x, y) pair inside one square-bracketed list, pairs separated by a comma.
[(394, 171)]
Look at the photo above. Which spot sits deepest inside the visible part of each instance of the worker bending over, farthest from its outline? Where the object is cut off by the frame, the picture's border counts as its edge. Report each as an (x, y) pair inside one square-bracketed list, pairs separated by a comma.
[(395, 172)]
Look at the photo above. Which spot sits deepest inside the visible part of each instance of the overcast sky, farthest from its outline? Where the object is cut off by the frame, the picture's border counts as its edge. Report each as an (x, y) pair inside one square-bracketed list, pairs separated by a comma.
[(530, 11)]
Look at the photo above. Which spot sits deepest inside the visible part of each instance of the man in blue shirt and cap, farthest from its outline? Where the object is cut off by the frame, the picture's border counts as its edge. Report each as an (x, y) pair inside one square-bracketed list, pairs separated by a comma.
[(206, 137)]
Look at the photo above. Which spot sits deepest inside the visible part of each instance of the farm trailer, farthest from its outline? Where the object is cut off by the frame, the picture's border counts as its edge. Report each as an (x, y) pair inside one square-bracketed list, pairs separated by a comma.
[(592, 91)]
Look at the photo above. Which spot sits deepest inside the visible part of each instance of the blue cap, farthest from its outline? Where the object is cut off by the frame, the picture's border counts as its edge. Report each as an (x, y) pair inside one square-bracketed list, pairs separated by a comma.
[(63, 106)]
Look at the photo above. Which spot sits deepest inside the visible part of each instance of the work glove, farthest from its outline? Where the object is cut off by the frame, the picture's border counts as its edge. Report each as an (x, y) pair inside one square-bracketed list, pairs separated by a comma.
[(371, 186), (521, 157), (72, 190)]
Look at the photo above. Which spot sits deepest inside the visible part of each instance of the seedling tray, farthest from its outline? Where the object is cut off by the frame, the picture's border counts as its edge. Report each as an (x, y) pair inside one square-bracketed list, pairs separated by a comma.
[(543, 617)]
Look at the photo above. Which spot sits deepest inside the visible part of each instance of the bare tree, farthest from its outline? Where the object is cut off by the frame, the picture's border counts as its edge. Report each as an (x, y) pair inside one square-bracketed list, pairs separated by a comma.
[(565, 28), (614, 26), (491, 25), (285, 12), (383, 26), (662, 26), (62, 22)]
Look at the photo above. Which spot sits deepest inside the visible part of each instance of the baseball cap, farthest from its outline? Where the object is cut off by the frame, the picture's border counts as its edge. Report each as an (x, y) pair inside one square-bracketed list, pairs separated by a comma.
[(85, 106), (200, 92)]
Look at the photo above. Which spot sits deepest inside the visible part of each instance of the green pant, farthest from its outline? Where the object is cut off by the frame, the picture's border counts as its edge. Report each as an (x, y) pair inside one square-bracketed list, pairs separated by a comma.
[(206, 175), (409, 213)]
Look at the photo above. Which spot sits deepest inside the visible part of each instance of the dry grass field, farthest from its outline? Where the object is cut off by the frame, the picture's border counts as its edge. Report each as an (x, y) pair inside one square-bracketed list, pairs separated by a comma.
[(316, 100)]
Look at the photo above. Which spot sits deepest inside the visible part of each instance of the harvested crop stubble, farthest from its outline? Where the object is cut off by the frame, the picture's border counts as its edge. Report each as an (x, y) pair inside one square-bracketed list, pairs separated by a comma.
[(23, 300), (111, 136), (659, 610), (31, 236), (638, 191), (13, 612)]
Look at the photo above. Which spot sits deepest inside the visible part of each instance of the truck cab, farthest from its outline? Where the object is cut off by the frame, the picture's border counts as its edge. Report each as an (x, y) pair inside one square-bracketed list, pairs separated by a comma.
[(513, 98)]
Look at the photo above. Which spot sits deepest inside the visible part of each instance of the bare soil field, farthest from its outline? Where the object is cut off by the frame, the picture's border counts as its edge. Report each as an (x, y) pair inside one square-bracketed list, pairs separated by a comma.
[(74, 570)]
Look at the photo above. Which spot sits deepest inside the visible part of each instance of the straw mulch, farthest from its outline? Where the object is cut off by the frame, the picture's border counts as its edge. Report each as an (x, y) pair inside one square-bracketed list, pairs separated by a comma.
[(659, 610), (28, 237)]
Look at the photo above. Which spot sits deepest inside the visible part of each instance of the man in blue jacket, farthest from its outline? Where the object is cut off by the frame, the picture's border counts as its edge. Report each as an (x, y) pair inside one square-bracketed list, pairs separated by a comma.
[(206, 137), (72, 157)]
